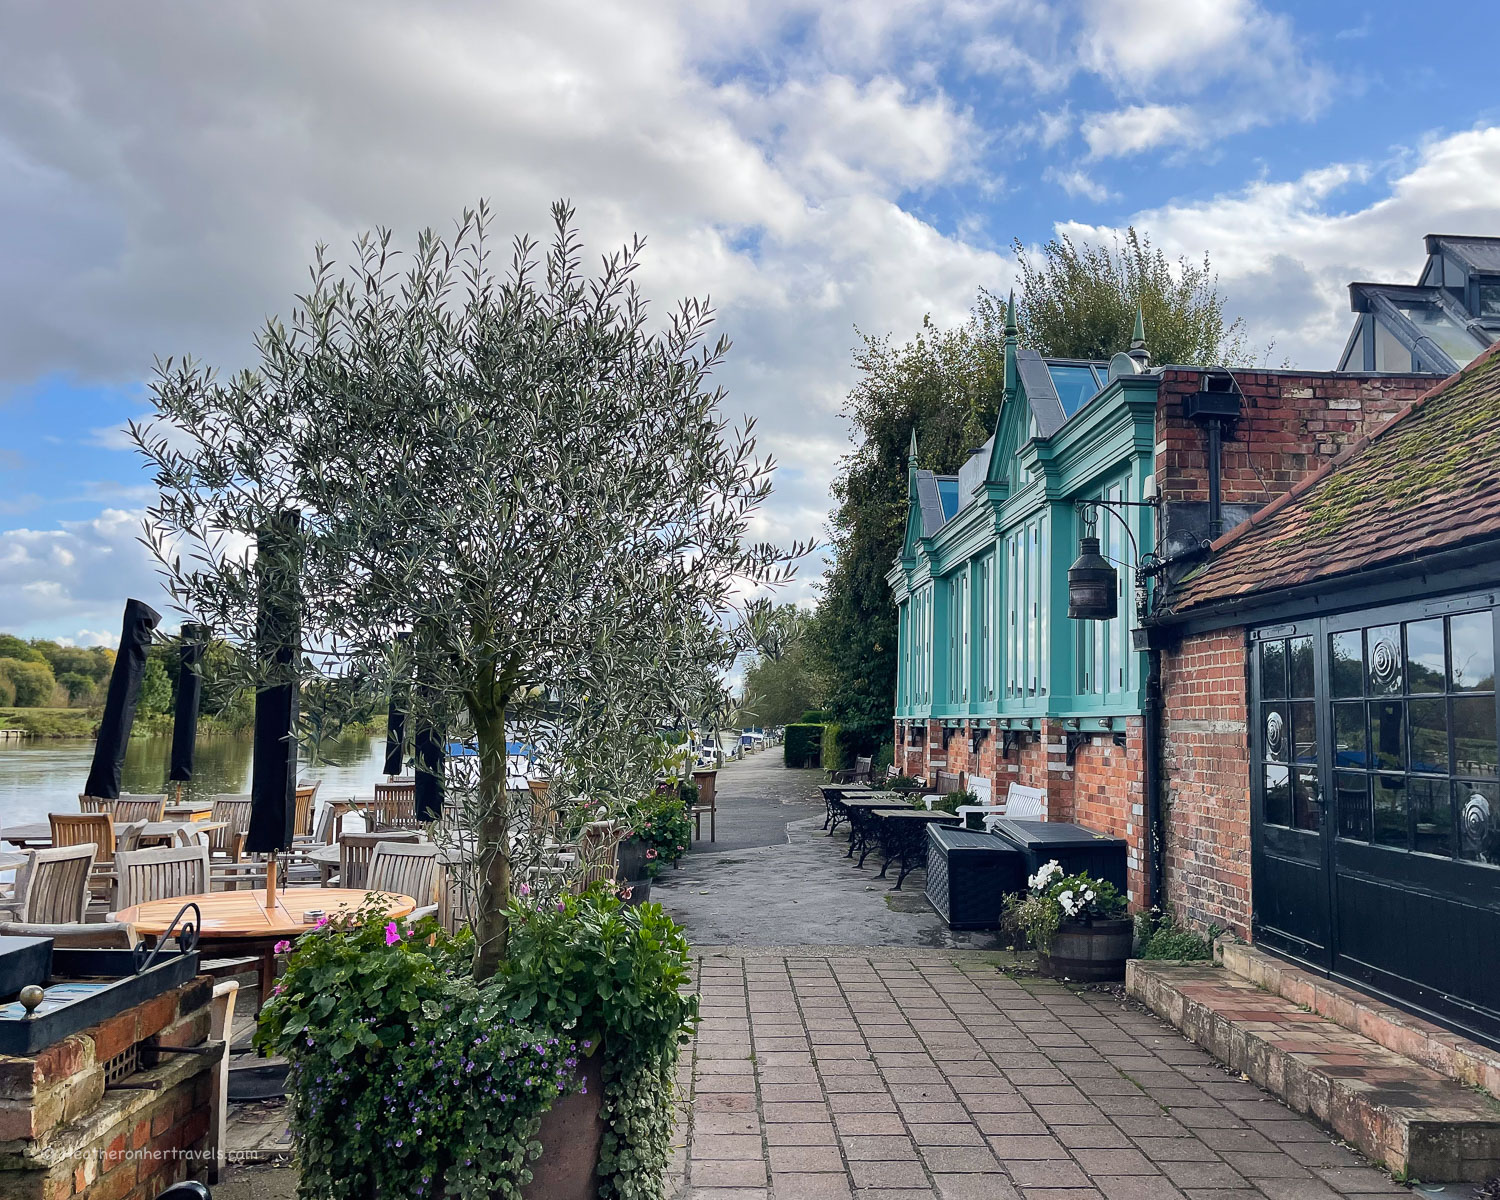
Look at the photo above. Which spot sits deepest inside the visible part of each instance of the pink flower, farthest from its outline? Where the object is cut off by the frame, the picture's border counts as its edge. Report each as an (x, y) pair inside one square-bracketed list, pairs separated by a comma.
[(650, 854), (281, 947), (322, 921), (561, 907), (392, 934), (278, 989), (523, 889), (625, 893)]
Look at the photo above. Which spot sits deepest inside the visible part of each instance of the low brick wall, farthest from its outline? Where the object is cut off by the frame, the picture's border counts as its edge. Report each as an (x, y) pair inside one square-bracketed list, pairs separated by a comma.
[(64, 1134)]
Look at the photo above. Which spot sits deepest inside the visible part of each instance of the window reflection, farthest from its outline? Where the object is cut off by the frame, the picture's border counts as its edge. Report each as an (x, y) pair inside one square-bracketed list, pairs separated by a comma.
[(1388, 735), (1278, 795), (1347, 655), (1474, 735), (1390, 811), (1300, 666), (1350, 744), (1429, 736), (1353, 800), (1432, 816), (1426, 668), (1273, 670), (1473, 638)]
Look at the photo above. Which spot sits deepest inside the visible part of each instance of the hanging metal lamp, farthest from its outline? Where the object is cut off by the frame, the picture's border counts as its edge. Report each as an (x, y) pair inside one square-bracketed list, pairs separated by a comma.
[(1093, 585)]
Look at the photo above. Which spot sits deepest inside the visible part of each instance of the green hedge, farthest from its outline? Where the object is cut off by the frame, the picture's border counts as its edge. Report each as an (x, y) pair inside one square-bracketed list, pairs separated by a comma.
[(815, 716), (804, 745), (831, 748), (885, 755)]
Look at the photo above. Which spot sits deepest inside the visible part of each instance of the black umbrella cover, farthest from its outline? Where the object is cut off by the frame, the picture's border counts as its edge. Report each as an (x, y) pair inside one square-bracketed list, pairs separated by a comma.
[(278, 640), (430, 760), (120, 701), (395, 720), (189, 693)]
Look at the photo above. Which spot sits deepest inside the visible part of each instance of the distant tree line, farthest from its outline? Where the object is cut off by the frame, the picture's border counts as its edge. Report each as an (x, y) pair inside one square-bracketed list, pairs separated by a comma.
[(41, 673)]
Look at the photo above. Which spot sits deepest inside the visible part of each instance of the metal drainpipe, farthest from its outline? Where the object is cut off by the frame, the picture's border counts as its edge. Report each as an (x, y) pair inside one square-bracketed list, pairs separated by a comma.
[(1215, 453), (1151, 735)]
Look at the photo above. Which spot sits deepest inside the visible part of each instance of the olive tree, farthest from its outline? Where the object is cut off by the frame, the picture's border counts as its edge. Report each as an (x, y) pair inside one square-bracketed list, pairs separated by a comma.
[(516, 469)]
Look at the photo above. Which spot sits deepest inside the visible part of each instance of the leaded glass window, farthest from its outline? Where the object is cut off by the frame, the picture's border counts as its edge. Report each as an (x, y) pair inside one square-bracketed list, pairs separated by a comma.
[(1412, 718), (1291, 792)]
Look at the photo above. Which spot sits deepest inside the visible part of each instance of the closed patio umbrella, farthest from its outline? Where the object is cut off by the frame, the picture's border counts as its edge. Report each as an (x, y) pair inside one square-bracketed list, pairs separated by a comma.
[(278, 637), (430, 752), (189, 694), (120, 701), (395, 722)]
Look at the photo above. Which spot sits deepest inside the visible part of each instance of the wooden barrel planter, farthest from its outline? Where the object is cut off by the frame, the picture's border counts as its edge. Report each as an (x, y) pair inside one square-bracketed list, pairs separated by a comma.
[(571, 1133), (1093, 953), (632, 872)]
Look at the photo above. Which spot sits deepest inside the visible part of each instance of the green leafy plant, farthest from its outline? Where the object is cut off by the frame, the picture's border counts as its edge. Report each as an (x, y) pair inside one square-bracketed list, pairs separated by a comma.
[(1159, 936), (614, 975), (1053, 898), (901, 783), (804, 745), (953, 801), (405, 1077), (664, 825), (409, 1078)]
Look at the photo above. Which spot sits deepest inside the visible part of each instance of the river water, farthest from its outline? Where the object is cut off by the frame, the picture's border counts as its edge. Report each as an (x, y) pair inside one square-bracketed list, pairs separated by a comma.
[(42, 775)]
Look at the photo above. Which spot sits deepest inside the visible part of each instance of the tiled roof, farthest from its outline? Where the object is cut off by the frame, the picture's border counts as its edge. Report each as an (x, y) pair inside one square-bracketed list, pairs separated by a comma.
[(1427, 480)]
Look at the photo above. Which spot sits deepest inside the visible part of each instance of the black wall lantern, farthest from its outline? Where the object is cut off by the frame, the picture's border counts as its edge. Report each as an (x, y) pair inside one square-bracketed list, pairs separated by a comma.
[(1093, 585)]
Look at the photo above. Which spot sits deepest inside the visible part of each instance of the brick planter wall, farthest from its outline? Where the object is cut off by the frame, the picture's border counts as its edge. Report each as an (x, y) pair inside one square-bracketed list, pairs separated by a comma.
[(1206, 761), (63, 1134)]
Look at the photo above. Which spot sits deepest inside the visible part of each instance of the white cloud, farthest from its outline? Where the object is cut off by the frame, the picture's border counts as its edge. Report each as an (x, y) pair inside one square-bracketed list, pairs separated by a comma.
[(1079, 183), (1286, 251), (83, 571), (1139, 127)]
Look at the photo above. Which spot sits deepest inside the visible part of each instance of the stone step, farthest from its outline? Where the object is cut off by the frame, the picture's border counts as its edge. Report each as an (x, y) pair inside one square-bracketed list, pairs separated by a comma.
[(1445, 1052), (1418, 1123)]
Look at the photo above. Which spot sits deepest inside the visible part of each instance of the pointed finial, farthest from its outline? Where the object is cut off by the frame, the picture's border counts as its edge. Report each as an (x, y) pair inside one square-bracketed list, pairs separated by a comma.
[(913, 451), (1011, 328), (1138, 349)]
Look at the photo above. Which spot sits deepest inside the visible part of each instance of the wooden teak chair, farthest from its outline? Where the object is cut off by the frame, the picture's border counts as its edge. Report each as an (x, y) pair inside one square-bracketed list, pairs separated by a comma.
[(395, 806), (141, 808), (160, 874), (302, 816), (406, 869), (57, 886), (355, 852)]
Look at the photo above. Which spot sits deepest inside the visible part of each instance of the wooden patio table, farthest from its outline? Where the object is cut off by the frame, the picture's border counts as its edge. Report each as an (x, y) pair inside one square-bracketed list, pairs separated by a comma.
[(238, 923), (38, 835), (189, 810)]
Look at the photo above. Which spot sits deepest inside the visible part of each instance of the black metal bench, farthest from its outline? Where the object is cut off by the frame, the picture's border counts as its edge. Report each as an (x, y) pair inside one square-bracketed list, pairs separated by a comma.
[(903, 838), (861, 827), (834, 795)]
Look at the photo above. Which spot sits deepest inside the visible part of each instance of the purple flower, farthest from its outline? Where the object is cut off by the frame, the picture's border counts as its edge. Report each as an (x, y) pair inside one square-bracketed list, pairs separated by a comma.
[(281, 947), (523, 889), (392, 934)]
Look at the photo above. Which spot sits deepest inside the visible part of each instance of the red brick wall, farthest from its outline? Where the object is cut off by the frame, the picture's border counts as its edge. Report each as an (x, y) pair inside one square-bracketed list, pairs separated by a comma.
[(1289, 424), (1109, 795), (65, 1139), (1206, 762)]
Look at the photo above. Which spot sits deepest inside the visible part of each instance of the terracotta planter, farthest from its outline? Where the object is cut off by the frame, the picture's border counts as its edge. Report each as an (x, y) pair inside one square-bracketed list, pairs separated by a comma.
[(571, 1133), (1093, 953)]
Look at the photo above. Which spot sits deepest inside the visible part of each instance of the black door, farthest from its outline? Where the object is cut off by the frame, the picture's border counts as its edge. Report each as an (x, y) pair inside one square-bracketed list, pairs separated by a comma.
[(1375, 749), (1291, 886)]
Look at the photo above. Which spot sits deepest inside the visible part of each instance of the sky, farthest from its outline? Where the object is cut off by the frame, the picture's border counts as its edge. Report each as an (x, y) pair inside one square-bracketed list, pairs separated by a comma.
[(816, 169)]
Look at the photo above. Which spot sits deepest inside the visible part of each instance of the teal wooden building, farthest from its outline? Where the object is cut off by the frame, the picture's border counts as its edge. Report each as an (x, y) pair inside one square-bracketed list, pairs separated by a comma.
[(987, 655)]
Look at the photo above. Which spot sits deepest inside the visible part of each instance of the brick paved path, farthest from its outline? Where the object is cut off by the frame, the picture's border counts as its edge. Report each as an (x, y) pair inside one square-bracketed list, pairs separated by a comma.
[(902, 1075)]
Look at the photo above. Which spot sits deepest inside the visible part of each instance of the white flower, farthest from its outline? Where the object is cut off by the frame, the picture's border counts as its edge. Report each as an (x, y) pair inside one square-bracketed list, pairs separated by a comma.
[(1066, 900), (1089, 894)]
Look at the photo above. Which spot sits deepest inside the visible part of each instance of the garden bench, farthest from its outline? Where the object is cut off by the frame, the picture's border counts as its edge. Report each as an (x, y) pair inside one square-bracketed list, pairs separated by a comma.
[(903, 838), (863, 771), (861, 811)]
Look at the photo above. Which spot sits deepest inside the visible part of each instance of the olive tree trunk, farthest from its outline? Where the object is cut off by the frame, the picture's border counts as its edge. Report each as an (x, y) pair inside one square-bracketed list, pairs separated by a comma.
[(490, 920)]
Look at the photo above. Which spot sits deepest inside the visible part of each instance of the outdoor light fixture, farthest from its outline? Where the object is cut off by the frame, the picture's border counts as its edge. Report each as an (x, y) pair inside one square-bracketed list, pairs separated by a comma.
[(1092, 585), (1093, 582)]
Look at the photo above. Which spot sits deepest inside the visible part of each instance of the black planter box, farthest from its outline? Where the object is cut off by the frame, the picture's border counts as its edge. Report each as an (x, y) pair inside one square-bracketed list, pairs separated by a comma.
[(104, 984), (1073, 846), (969, 874)]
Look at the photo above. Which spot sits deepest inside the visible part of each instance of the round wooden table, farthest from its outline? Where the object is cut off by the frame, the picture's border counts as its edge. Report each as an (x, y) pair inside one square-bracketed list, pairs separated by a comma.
[(238, 923)]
